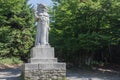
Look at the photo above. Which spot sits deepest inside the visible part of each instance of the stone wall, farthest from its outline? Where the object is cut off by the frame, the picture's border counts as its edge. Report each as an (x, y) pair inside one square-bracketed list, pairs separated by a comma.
[(45, 74)]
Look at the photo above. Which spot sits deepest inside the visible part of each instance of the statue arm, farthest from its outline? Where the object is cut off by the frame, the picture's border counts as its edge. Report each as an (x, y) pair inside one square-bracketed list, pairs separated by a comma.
[(36, 16)]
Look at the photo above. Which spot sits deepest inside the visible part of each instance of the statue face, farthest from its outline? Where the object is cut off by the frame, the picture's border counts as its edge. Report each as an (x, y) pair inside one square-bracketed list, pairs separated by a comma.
[(42, 11), (41, 8)]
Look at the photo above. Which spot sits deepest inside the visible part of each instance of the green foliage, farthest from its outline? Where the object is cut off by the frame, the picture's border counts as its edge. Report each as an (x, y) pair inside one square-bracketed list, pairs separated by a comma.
[(16, 28), (12, 60), (83, 27)]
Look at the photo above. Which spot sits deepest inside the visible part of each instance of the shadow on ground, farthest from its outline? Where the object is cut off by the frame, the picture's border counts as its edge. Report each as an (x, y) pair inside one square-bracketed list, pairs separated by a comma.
[(99, 73), (10, 74)]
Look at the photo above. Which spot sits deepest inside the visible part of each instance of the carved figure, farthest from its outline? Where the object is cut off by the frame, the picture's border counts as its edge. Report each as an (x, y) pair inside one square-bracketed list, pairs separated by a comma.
[(43, 28)]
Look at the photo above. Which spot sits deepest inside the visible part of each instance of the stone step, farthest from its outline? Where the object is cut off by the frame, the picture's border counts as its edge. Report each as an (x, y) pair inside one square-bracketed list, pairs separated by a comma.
[(44, 66), (35, 60)]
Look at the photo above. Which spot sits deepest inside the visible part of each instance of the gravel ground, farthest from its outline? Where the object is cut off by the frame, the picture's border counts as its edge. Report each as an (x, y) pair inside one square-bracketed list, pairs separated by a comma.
[(74, 74)]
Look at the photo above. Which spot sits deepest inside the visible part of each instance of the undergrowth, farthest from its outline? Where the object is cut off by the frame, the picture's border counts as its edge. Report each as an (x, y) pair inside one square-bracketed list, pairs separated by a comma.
[(12, 60)]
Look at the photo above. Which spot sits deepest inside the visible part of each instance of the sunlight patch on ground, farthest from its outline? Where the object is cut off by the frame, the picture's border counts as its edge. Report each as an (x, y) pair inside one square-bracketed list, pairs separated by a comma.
[(107, 70), (75, 78)]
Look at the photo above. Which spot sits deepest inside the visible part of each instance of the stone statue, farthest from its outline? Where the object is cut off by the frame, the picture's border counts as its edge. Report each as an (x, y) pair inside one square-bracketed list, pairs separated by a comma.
[(43, 28), (42, 63)]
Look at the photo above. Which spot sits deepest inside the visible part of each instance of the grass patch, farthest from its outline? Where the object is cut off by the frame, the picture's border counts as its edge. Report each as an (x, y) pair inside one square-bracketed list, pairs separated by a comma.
[(12, 60)]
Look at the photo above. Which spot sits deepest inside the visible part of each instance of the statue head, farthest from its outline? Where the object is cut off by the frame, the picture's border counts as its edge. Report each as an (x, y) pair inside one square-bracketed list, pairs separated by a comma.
[(42, 8)]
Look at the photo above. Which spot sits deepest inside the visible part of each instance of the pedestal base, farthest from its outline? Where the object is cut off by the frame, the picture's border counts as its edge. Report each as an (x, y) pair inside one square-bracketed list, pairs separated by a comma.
[(45, 75), (44, 71), (43, 66)]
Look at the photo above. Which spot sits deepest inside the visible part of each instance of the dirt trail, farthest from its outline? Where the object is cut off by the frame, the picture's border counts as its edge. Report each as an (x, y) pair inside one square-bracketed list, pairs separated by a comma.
[(92, 75), (74, 74), (10, 74)]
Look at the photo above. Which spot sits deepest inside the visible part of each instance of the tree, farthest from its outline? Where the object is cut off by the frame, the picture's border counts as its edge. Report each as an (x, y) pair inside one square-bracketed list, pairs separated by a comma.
[(83, 28), (16, 28)]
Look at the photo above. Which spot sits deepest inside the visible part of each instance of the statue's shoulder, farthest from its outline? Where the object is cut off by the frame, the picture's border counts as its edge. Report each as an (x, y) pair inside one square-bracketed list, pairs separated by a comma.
[(46, 14), (41, 14)]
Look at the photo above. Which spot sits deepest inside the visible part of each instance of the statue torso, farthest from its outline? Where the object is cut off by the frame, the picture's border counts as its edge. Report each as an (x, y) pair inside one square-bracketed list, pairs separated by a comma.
[(43, 19)]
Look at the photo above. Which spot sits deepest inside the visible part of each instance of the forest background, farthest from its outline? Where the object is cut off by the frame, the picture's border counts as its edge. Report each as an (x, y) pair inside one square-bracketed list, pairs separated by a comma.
[(83, 32)]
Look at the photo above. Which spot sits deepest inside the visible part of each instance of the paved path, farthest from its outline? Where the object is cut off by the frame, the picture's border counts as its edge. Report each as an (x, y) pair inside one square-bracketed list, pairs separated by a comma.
[(14, 73), (10, 74)]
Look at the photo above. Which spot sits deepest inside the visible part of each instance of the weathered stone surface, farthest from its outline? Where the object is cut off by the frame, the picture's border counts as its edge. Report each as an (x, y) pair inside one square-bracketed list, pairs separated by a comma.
[(47, 66), (30, 66), (46, 74), (42, 52), (44, 66), (35, 60)]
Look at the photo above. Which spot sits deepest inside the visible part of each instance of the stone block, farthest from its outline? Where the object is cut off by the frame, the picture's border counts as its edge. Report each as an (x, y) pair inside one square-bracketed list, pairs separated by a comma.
[(54, 66), (42, 52), (30, 66), (34, 60)]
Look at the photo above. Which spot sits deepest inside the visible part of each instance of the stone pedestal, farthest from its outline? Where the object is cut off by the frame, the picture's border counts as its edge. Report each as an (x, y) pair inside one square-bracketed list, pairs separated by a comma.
[(43, 65)]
